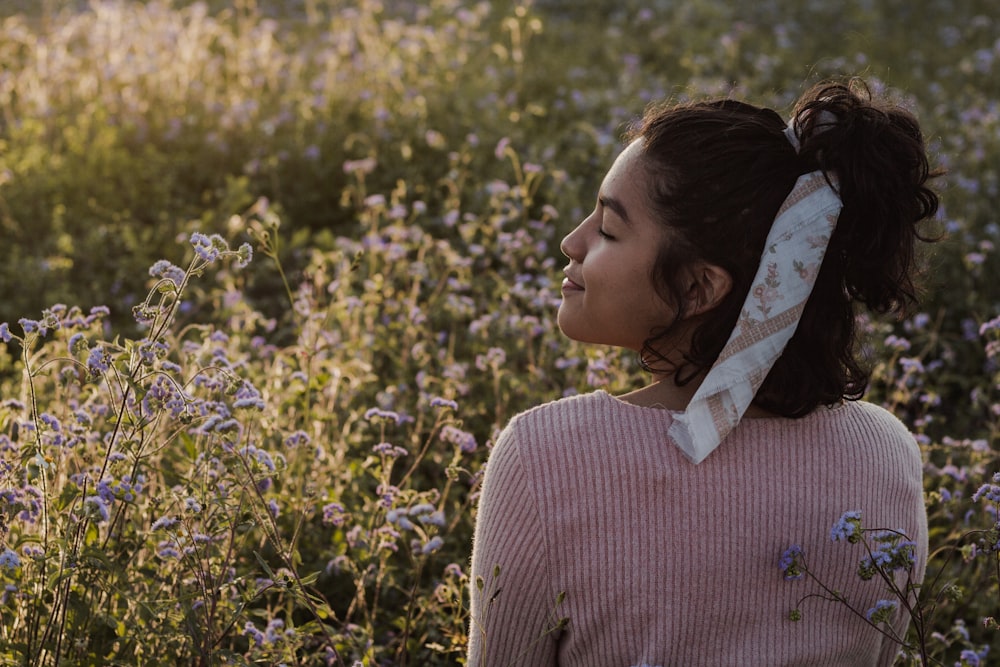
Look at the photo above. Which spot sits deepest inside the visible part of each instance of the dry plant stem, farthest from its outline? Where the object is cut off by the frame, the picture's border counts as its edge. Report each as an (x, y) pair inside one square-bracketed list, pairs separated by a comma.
[(915, 611), (39, 591), (272, 534), (438, 423), (402, 654), (834, 596)]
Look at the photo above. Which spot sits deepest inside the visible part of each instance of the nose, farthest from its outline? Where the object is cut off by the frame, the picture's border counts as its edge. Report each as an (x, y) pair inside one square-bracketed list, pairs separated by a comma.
[(573, 245)]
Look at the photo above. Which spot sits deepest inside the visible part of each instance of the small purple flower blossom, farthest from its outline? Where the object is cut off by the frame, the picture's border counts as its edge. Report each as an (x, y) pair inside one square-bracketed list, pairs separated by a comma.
[(192, 505), (501, 148), (438, 402), (96, 506), (378, 413), (163, 523), (297, 439), (989, 492), (244, 255), (98, 361), (362, 166), (889, 552), (167, 271), (9, 560), (992, 325), (848, 527), (432, 545), (390, 450), (333, 514), (466, 441), (207, 247), (897, 343), (167, 549), (791, 563), (251, 632), (881, 612), (77, 342), (273, 631)]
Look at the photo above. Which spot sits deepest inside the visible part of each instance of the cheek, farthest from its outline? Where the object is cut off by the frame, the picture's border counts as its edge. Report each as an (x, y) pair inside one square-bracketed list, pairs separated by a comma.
[(654, 301)]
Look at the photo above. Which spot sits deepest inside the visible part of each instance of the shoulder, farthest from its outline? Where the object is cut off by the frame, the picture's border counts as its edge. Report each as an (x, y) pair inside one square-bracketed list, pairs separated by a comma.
[(553, 428), (867, 420), (871, 433), (848, 434), (554, 413)]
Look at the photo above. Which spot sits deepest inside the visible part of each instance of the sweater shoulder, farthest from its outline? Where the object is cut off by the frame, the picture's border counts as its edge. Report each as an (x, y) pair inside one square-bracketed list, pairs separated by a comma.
[(559, 422), (865, 416), (577, 405)]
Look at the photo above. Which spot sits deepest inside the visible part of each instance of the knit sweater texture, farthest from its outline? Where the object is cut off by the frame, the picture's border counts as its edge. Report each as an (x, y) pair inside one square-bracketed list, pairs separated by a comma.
[(590, 513)]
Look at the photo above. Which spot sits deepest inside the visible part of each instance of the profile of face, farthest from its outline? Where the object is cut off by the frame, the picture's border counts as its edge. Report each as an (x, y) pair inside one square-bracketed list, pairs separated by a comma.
[(608, 294)]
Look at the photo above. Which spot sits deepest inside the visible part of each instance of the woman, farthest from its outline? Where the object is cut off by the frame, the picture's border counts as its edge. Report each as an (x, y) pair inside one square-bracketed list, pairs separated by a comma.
[(730, 252)]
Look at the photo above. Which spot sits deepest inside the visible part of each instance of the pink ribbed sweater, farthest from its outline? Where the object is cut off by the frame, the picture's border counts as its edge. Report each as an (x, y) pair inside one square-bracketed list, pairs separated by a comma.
[(662, 562)]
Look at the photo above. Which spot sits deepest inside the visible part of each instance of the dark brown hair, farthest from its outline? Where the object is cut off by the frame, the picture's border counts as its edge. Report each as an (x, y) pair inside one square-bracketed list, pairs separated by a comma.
[(718, 173)]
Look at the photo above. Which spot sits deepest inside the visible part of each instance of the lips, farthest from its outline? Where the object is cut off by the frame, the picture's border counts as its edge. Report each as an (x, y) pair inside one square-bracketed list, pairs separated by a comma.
[(568, 284)]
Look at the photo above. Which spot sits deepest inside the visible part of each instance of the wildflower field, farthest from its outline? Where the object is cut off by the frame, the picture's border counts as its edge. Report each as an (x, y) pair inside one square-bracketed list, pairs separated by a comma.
[(274, 274)]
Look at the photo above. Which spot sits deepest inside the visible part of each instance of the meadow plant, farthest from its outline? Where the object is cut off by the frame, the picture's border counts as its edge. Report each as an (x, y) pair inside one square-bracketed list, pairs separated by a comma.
[(954, 612), (889, 556), (204, 493)]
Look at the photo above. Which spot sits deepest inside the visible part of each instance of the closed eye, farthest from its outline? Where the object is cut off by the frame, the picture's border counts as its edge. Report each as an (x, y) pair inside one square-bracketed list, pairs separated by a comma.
[(604, 234)]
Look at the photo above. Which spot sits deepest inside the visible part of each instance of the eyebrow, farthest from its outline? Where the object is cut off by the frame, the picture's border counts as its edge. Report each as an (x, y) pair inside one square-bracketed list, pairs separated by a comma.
[(614, 205)]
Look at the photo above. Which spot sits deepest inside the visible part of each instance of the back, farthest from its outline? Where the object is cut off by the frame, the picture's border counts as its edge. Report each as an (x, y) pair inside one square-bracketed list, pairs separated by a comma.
[(667, 563)]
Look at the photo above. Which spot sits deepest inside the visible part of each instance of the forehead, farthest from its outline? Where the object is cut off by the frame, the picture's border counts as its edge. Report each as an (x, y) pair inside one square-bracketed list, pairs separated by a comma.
[(626, 173), (627, 182)]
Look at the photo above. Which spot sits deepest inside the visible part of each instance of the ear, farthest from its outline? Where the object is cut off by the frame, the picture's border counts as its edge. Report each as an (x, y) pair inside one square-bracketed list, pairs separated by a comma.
[(708, 285)]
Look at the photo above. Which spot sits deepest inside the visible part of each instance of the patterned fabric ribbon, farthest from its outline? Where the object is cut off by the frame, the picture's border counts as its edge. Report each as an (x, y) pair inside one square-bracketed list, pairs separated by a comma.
[(788, 268)]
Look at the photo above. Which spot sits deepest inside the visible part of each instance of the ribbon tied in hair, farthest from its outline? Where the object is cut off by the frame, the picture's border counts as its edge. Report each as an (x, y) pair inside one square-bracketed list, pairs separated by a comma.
[(793, 254)]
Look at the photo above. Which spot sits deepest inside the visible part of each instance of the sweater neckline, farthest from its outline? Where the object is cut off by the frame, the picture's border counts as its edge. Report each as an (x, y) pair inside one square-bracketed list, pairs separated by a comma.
[(653, 409)]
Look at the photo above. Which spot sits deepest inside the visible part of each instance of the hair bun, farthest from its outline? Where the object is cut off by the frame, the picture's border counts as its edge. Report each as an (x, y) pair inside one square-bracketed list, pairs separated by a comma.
[(876, 152)]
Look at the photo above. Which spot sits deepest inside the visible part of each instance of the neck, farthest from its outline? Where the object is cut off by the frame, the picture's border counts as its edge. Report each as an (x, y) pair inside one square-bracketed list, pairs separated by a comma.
[(662, 392)]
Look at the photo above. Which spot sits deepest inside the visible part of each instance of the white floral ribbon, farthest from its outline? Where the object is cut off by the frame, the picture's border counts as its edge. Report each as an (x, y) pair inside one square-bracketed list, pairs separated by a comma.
[(788, 268)]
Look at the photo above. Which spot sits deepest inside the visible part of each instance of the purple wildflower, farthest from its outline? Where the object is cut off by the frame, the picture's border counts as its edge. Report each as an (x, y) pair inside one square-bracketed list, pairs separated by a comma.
[(167, 271), (390, 450), (792, 562), (890, 552), (466, 441), (167, 549), (163, 523), (438, 402), (207, 247), (333, 514), (848, 527), (273, 631), (881, 612), (378, 413), (432, 545), (192, 505), (989, 492), (96, 506), (244, 255), (251, 632), (296, 439), (9, 560), (98, 361)]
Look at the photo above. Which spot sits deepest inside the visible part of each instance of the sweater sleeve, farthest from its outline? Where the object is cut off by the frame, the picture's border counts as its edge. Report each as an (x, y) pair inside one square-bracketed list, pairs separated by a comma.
[(514, 611), (910, 503)]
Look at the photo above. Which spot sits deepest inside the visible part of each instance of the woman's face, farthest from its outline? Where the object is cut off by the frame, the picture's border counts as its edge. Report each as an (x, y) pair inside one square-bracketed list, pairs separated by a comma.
[(608, 293)]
